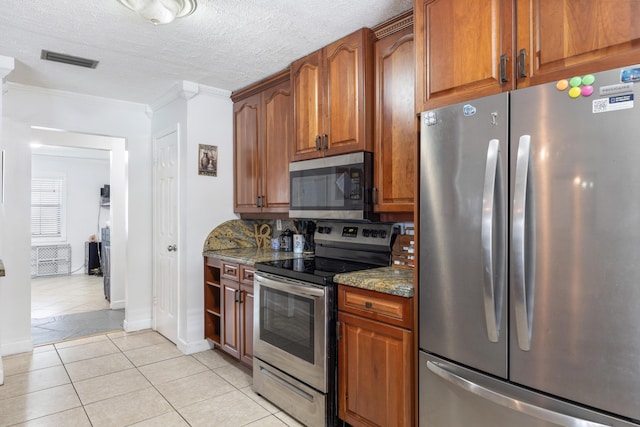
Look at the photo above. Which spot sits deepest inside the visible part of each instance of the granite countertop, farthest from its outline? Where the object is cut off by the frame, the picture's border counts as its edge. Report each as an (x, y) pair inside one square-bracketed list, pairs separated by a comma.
[(249, 256), (388, 280), (234, 241)]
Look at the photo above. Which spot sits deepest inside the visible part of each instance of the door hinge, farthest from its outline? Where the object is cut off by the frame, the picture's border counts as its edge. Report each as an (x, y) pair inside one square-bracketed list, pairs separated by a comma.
[(325, 141), (338, 335), (318, 146), (236, 295)]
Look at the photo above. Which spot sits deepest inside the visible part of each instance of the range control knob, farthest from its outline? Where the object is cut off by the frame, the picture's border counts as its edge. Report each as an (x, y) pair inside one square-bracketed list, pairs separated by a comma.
[(324, 230), (365, 232), (374, 233), (383, 234)]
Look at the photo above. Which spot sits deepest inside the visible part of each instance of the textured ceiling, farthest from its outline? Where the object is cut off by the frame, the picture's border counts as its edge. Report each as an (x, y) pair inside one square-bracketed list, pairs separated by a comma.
[(226, 44)]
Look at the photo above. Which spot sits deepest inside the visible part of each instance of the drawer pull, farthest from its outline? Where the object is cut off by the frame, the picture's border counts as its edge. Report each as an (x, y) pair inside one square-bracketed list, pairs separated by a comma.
[(368, 304)]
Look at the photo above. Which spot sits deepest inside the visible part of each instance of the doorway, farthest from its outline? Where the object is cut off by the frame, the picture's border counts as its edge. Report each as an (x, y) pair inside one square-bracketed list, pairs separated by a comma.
[(69, 296)]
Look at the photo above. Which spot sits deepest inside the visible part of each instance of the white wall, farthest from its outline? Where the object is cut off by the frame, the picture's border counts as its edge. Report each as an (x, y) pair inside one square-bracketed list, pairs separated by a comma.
[(25, 107), (84, 215), (203, 116)]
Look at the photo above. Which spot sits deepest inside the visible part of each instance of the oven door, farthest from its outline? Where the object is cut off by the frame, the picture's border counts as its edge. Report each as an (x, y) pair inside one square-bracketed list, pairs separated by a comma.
[(290, 331)]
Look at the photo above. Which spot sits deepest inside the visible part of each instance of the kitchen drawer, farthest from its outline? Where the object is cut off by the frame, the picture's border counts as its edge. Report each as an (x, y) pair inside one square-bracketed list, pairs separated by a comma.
[(230, 270), (246, 274), (213, 262), (391, 309)]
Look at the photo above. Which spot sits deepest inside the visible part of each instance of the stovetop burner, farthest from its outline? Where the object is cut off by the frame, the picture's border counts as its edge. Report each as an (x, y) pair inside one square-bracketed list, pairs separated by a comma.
[(316, 270)]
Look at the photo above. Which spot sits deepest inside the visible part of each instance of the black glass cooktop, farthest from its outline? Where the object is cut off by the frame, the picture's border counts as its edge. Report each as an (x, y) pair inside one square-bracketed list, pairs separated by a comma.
[(317, 270)]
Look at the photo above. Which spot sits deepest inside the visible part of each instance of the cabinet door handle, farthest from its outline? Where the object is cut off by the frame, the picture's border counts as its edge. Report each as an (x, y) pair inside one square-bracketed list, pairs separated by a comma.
[(368, 304), (236, 295), (325, 141), (503, 69), (318, 147), (522, 63)]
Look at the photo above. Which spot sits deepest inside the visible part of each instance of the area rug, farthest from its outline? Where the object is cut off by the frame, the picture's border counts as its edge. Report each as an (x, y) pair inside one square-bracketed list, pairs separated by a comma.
[(59, 328)]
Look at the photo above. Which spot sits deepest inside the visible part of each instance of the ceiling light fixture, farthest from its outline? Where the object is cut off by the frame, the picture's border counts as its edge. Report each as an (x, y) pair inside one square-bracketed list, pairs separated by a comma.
[(161, 11)]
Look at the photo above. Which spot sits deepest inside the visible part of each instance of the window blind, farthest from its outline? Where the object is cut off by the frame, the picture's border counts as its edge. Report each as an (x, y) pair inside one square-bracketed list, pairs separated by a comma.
[(46, 207)]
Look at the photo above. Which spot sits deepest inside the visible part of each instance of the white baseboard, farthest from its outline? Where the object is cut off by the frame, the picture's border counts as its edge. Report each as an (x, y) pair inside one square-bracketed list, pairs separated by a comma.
[(194, 347), (136, 326), (16, 347), (116, 305)]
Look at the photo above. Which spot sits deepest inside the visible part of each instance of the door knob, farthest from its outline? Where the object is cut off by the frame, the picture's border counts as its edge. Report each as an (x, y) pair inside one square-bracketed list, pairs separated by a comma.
[(172, 248)]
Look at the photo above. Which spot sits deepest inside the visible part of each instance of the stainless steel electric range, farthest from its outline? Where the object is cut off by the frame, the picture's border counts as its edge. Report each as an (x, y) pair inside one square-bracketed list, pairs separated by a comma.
[(295, 311)]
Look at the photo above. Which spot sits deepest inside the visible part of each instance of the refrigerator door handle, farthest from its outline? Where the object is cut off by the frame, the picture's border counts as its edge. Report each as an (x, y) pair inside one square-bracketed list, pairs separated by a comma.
[(492, 299), (509, 402), (523, 300)]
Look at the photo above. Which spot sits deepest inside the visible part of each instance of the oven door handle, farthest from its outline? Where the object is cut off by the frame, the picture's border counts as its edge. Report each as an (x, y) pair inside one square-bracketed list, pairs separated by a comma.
[(294, 287)]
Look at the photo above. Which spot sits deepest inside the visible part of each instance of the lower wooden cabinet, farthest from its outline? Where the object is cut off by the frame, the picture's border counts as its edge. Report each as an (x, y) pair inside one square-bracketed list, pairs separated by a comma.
[(229, 307), (375, 360)]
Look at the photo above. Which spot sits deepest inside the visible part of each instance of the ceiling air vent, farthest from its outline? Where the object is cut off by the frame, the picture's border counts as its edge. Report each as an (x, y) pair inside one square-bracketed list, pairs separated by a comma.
[(68, 59)]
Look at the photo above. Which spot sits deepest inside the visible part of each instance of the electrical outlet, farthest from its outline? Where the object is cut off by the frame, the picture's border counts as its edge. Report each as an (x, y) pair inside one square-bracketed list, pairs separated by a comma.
[(279, 224)]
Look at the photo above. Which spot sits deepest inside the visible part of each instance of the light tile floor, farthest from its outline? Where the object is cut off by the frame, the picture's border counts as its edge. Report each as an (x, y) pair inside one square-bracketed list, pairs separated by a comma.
[(64, 307), (60, 295), (130, 379)]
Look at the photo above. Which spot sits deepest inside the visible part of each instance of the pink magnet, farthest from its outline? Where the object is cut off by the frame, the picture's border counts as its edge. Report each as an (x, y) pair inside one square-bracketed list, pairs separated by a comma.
[(587, 90)]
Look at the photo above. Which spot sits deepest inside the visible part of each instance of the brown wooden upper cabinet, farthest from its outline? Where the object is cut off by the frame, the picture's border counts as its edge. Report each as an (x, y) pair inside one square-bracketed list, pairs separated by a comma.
[(395, 122), (332, 92), (561, 39), (459, 46), (465, 49), (262, 135)]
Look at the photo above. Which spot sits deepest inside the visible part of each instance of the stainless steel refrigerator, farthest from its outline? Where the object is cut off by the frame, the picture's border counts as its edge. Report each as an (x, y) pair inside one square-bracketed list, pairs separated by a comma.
[(530, 257)]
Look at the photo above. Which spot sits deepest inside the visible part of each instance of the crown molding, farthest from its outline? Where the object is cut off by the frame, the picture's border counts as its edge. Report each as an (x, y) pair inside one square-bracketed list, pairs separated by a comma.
[(26, 89), (7, 65)]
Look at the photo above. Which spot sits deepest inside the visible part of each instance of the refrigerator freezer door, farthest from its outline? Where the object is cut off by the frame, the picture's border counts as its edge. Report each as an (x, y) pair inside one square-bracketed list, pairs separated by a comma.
[(452, 396), (575, 333), (463, 214)]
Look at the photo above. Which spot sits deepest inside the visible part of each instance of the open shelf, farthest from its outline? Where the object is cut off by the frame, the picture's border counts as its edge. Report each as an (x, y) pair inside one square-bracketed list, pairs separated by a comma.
[(212, 300)]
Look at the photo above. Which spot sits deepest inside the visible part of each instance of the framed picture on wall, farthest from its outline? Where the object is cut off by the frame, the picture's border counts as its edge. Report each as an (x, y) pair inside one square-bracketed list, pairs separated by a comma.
[(208, 160)]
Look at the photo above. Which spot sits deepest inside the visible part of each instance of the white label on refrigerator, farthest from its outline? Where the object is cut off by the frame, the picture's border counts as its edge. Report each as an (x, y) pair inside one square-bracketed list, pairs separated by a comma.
[(613, 103)]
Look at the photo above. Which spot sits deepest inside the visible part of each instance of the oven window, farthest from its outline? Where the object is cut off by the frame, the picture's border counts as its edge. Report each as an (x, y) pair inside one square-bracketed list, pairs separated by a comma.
[(286, 322)]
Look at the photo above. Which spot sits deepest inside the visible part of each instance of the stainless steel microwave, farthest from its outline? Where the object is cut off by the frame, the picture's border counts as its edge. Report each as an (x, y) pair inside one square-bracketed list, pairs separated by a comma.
[(336, 187)]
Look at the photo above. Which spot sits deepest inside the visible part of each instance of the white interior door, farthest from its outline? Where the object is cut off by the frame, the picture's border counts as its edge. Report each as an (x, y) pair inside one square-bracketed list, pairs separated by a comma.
[(166, 236)]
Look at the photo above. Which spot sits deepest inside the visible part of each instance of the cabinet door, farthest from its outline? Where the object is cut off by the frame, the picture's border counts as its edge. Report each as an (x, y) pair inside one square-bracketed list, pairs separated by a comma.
[(307, 84), (246, 313), (574, 37), (458, 48), (349, 83), (247, 137), (396, 123), (276, 148), (230, 314), (374, 373)]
